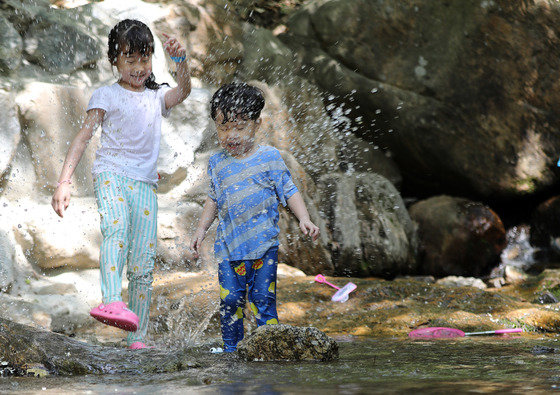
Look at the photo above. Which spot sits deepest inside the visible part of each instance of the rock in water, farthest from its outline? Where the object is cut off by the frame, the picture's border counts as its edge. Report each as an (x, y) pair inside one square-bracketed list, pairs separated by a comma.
[(288, 343)]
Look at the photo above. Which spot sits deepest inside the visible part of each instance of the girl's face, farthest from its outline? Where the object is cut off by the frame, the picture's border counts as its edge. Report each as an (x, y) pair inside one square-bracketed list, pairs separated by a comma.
[(237, 137), (134, 69)]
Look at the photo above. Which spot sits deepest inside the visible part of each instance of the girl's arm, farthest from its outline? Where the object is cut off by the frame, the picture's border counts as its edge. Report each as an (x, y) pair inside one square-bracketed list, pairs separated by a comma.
[(176, 95), (208, 214), (61, 196), (297, 205)]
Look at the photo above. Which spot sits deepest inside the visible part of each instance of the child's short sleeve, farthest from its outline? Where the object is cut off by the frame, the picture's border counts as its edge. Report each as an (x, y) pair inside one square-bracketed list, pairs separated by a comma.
[(161, 97), (99, 99), (282, 180)]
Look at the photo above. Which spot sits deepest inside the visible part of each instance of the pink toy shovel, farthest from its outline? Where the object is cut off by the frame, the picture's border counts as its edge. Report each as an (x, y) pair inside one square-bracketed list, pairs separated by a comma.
[(441, 332), (342, 294)]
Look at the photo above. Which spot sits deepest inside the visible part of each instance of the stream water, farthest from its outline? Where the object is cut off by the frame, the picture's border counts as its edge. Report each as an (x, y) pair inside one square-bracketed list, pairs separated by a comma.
[(521, 364)]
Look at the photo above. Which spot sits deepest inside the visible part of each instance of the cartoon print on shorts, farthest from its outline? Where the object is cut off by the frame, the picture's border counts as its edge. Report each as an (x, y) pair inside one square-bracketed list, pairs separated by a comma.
[(272, 321), (257, 264), (254, 309), (223, 292), (241, 269), (272, 287)]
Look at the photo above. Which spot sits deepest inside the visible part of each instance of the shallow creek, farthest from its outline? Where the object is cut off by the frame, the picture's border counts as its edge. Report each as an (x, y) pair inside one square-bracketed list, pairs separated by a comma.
[(373, 365)]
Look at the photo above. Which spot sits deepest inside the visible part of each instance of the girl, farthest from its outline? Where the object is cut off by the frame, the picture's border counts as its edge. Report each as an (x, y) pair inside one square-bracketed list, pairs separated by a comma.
[(124, 172)]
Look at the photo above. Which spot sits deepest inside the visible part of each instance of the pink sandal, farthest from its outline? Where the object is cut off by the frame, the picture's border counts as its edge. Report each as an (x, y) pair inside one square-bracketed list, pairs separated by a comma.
[(116, 314)]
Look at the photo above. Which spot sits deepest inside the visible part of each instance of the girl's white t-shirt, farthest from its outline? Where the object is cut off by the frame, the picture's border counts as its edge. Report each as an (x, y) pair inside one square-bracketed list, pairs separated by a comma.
[(131, 131)]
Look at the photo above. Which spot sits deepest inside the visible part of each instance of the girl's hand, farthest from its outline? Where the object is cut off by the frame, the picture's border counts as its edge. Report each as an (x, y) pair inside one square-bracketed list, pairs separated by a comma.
[(61, 199), (173, 47), (308, 227), (197, 239)]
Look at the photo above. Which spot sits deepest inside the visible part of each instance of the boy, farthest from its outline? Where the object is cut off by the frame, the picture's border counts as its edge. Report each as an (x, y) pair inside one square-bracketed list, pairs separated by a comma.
[(247, 181)]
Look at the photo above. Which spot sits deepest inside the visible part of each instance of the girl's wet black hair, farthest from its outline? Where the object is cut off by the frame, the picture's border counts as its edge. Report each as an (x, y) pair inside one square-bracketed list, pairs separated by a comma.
[(130, 36), (237, 99)]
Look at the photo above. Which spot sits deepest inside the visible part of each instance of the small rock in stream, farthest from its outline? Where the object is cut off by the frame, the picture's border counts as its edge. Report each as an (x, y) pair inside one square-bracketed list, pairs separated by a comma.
[(546, 298), (539, 350), (288, 343)]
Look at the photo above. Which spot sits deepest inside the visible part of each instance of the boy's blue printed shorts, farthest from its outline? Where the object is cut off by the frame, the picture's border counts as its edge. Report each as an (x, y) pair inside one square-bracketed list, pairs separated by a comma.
[(255, 278)]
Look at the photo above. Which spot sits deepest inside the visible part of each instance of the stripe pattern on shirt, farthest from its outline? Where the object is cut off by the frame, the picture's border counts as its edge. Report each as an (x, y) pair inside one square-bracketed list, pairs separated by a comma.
[(247, 192)]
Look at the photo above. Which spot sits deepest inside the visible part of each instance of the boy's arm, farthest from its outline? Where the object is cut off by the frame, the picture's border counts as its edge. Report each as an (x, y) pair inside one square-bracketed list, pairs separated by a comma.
[(61, 197), (208, 215), (297, 205), (176, 95)]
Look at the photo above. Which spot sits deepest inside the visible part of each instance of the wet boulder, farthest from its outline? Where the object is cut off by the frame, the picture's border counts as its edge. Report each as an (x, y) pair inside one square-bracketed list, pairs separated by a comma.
[(10, 133), (449, 87), (294, 120), (545, 226), (8, 256), (300, 116), (51, 242), (212, 32), (457, 236), (22, 347), (51, 116), (61, 41), (370, 230), (11, 46), (458, 281), (288, 343)]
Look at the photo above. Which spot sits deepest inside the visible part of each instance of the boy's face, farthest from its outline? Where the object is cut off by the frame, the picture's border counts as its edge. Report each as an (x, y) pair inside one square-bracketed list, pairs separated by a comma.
[(237, 137)]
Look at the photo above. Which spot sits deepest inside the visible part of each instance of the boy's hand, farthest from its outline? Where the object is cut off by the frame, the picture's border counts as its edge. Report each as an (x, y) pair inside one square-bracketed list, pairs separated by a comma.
[(173, 47), (61, 199), (308, 227), (197, 239)]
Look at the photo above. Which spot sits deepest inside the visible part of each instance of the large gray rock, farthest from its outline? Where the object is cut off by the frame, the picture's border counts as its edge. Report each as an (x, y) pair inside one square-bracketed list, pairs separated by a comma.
[(450, 88), (182, 134), (213, 34), (545, 226), (10, 132), (11, 46), (265, 57), (51, 242), (52, 116), (288, 343), (7, 259), (23, 13), (59, 40), (371, 233), (295, 120), (457, 236)]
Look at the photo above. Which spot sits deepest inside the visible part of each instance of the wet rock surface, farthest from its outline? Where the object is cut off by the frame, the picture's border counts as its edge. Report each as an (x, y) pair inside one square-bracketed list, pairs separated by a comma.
[(457, 236), (23, 347), (288, 343), (445, 85)]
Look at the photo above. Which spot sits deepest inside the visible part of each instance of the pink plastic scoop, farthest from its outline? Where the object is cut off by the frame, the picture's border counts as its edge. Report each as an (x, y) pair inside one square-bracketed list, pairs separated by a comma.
[(442, 332), (342, 294)]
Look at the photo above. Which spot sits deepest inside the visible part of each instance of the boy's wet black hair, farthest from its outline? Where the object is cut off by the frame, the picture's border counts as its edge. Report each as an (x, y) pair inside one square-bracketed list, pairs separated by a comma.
[(132, 36), (237, 99)]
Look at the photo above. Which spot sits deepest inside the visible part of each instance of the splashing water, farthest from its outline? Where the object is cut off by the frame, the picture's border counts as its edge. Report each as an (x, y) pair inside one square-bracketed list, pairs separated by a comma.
[(519, 252)]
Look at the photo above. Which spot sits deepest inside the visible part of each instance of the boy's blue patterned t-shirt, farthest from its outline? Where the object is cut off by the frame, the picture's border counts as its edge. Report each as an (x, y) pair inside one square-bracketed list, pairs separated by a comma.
[(247, 192)]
